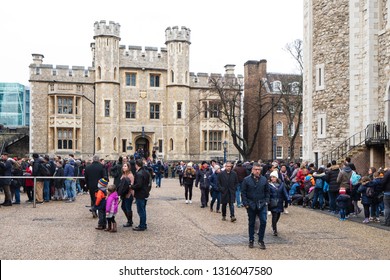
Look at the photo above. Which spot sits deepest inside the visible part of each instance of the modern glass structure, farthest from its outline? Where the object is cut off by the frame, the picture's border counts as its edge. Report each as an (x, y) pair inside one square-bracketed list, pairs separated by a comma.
[(14, 105)]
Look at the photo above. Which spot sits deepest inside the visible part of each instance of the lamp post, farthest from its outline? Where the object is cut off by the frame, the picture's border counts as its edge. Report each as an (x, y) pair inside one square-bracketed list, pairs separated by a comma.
[(224, 150)]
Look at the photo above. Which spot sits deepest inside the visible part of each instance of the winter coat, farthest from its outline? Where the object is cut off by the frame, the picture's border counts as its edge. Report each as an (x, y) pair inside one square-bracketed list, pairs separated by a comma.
[(93, 173), (278, 191), (141, 184), (332, 178), (112, 203), (322, 177), (344, 178), (362, 190), (241, 172), (69, 169), (255, 192), (100, 195), (58, 183), (386, 182), (227, 183), (214, 187), (6, 171), (343, 201), (203, 178), (189, 175)]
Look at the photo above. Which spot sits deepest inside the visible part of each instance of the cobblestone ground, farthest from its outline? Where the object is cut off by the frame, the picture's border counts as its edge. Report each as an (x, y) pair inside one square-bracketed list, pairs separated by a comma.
[(176, 230)]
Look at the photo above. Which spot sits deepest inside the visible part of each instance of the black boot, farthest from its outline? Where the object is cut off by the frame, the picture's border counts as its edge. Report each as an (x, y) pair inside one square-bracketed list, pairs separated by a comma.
[(129, 216), (7, 203)]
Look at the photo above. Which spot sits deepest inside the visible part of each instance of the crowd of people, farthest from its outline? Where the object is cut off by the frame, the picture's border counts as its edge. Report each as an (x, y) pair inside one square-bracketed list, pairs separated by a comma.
[(261, 188)]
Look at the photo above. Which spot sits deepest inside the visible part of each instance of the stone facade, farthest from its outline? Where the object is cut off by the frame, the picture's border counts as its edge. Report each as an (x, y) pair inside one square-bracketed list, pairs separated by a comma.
[(131, 97), (346, 78)]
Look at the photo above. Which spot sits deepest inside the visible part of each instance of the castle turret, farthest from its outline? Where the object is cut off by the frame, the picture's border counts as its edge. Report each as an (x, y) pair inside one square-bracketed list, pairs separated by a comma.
[(178, 45), (105, 52)]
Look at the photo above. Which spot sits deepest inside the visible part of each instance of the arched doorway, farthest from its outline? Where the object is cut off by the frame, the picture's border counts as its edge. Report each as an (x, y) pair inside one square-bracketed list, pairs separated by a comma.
[(142, 144)]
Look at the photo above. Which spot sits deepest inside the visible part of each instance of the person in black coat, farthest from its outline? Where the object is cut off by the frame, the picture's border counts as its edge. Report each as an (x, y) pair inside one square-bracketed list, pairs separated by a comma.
[(93, 173), (227, 182), (255, 195), (334, 187)]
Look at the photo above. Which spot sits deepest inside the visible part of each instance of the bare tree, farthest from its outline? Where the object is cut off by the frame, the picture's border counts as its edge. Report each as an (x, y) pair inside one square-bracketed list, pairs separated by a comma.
[(226, 97), (291, 98)]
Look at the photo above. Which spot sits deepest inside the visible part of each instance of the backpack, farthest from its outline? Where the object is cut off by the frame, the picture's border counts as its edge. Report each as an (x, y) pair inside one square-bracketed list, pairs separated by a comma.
[(43, 170), (308, 183), (319, 183), (355, 178), (370, 192), (123, 187), (114, 171)]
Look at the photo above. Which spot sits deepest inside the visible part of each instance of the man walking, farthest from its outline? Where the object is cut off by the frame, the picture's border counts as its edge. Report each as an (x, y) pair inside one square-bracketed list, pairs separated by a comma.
[(228, 181), (255, 196), (203, 179), (141, 193)]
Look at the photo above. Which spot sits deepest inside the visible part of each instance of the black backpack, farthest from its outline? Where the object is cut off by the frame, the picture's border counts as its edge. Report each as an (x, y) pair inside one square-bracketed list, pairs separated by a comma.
[(44, 170), (123, 187)]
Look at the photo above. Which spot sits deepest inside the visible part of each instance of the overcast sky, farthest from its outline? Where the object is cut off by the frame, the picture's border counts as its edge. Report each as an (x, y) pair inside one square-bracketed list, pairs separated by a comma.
[(222, 32)]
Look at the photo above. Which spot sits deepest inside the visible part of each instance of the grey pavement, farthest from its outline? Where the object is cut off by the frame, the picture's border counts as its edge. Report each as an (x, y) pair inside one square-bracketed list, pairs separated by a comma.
[(66, 231)]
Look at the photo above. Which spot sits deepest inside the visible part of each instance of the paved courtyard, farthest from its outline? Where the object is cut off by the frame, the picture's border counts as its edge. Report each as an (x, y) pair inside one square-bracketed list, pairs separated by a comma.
[(66, 231)]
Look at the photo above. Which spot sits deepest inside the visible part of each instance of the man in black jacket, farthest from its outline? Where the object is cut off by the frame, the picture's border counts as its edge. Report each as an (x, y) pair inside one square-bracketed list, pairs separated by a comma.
[(255, 195), (141, 193), (6, 170), (228, 181), (93, 173)]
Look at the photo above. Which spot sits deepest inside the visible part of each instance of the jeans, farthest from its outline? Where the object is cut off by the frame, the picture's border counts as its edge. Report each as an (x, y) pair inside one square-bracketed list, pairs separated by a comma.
[(141, 210), (70, 188), (78, 186), (318, 194), (342, 213), (252, 214), (332, 201), (126, 204), (215, 196), (16, 193), (158, 180), (386, 202), (46, 190), (238, 195)]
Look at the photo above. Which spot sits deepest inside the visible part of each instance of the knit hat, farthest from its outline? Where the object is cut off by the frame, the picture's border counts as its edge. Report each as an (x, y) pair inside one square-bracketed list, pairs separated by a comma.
[(103, 182), (342, 191), (274, 174), (216, 167), (189, 164)]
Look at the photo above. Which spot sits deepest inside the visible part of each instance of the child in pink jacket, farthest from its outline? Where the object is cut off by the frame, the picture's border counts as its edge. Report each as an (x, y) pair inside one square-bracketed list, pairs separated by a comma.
[(111, 208)]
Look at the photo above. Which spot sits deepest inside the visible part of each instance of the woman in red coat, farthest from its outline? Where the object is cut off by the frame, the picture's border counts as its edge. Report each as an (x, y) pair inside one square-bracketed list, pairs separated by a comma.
[(29, 183)]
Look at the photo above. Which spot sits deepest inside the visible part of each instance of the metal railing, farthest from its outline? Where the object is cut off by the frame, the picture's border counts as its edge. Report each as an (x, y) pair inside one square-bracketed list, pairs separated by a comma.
[(35, 182), (373, 134)]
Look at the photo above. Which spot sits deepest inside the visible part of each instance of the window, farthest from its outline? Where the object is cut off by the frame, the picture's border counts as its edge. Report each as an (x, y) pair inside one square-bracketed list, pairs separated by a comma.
[(320, 77), (54, 72), (65, 105), (70, 73), (295, 88), (86, 73), (276, 86), (154, 80), (321, 125), (64, 138), (171, 144), (160, 145), (279, 152), (37, 71), (214, 110), (106, 108), (131, 79), (179, 108), (130, 110), (279, 107), (154, 111), (124, 145), (172, 76), (279, 129), (76, 107), (300, 152), (214, 140)]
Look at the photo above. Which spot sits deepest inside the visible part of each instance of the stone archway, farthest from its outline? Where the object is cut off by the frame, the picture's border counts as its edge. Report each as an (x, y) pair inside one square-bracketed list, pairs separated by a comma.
[(143, 144)]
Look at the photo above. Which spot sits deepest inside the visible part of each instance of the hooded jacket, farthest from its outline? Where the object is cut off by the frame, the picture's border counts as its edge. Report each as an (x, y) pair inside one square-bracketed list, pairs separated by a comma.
[(344, 177)]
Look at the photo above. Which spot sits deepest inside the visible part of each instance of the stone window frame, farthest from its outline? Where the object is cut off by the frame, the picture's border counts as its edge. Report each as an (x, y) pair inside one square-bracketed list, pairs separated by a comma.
[(321, 125), (320, 76), (65, 138), (107, 108), (154, 111), (179, 110), (131, 79), (154, 80), (279, 128), (130, 114), (212, 140)]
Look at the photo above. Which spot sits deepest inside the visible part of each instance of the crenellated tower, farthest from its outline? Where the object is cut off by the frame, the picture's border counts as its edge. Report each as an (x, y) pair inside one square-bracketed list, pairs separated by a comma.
[(105, 52), (178, 90)]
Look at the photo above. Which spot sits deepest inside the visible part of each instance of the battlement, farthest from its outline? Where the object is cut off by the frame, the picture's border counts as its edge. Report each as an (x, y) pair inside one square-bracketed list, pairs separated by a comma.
[(176, 34), (202, 79), (102, 29)]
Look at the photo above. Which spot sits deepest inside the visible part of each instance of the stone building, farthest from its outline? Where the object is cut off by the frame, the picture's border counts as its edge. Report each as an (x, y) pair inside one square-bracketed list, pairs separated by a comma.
[(346, 81), (279, 98), (130, 98)]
